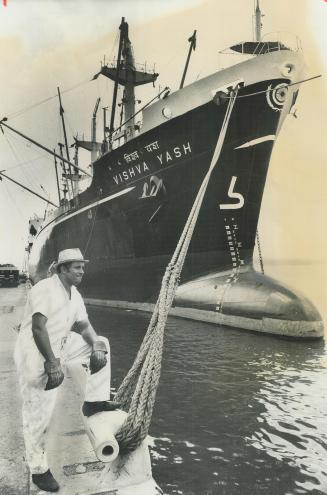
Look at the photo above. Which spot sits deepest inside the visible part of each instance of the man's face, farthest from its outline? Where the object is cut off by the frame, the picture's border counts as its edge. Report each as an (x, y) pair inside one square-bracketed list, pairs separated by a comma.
[(74, 274)]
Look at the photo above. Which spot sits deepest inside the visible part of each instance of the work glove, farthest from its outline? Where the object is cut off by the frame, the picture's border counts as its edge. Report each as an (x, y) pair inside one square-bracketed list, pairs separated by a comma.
[(55, 374), (98, 358)]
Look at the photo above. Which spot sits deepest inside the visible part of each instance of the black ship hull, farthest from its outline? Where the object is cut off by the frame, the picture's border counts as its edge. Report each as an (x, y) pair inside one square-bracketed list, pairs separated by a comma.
[(135, 233), (129, 220)]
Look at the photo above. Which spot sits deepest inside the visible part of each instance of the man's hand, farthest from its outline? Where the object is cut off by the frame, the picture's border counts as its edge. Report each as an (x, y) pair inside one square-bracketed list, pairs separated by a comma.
[(98, 358), (54, 372)]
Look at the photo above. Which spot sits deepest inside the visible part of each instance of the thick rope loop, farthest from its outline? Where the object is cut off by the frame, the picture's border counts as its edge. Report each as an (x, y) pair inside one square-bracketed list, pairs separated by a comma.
[(138, 390)]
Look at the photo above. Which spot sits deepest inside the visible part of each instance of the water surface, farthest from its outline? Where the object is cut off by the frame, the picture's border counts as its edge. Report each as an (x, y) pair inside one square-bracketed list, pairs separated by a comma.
[(236, 413)]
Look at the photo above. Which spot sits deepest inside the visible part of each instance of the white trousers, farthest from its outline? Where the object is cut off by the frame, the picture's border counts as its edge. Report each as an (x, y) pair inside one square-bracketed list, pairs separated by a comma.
[(38, 404)]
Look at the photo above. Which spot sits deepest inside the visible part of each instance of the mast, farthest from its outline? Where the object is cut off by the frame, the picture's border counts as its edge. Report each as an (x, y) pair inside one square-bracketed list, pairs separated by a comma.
[(125, 74), (122, 109), (61, 111), (192, 41), (123, 31), (258, 24), (73, 172), (57, 178), (65, 171), (76, 177), (94, 132), (105, 144), (93, 146)]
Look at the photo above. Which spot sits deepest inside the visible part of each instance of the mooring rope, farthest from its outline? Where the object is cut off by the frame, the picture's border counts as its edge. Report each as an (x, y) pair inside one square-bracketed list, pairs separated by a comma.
[(138, 389)]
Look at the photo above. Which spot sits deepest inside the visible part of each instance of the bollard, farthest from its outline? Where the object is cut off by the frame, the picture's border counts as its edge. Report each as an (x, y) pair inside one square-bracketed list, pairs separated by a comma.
[(127, 475), (101, 429)]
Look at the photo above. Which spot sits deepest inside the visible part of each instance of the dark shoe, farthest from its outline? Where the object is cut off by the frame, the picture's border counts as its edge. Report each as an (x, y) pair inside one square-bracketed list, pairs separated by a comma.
[(45, 481), (90, 408)]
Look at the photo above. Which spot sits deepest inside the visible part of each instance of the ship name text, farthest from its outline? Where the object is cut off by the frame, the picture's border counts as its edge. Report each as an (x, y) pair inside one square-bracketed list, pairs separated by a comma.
[(136, 169), (131, 173), (177, 152), (131, 157), (152, 146)]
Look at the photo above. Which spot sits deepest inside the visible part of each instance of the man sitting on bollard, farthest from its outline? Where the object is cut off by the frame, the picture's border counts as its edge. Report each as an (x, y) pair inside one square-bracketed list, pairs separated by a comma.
[(44, 345)]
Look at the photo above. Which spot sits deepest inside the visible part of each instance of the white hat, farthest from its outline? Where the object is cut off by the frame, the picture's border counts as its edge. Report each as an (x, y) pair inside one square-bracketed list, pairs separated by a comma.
[(68, 255)]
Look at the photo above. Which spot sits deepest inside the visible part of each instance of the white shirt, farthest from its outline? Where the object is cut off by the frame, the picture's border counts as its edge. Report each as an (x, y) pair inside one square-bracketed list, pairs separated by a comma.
[(50, 298)]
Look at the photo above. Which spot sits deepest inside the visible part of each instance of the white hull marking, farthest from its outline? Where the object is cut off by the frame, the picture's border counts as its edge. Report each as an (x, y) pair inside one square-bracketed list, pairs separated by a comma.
[(233, 195), (97, 203), (270, 137)]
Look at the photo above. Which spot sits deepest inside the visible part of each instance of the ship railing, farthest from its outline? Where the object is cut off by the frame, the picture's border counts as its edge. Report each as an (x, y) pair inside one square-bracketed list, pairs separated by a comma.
[(119, 138), (285, 39), (138, 66), (271, 42), (64, 207)]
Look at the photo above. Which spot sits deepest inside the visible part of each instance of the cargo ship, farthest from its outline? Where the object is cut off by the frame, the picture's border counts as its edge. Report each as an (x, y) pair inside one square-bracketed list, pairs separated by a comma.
[(145, 176)]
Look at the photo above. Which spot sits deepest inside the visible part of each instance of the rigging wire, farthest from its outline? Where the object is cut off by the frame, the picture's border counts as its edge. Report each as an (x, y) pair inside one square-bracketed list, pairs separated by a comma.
[(23, 110), (13, 200), (30, 107), (18, 113), (28, 176), (273, 89), (22, 164), (114, 44)]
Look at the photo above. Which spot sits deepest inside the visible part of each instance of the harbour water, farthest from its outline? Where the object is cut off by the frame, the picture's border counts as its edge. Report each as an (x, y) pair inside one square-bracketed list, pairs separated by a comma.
[(236, 413)]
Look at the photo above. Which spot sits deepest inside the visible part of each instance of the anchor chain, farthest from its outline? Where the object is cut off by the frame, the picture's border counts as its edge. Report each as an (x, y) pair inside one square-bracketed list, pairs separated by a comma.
[(260, 253)]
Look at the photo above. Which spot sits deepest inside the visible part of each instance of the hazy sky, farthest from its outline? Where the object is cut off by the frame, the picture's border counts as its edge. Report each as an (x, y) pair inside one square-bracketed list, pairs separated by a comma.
[(45, 44)]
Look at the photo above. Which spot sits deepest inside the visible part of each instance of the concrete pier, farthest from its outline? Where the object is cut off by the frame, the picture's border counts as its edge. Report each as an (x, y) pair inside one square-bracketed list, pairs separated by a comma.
[(71, 457), (14, 476)]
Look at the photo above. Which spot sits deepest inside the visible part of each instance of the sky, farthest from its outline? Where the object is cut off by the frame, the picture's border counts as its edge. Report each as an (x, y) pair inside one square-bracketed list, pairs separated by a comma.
[(46, 44)]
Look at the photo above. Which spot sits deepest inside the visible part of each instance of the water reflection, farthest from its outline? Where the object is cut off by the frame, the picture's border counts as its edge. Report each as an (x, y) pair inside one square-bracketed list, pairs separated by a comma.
[(293, 427), (236, 413)]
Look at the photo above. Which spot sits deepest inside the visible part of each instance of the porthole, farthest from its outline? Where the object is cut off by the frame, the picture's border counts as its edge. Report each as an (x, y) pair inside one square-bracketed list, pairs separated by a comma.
[(166, 112)]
